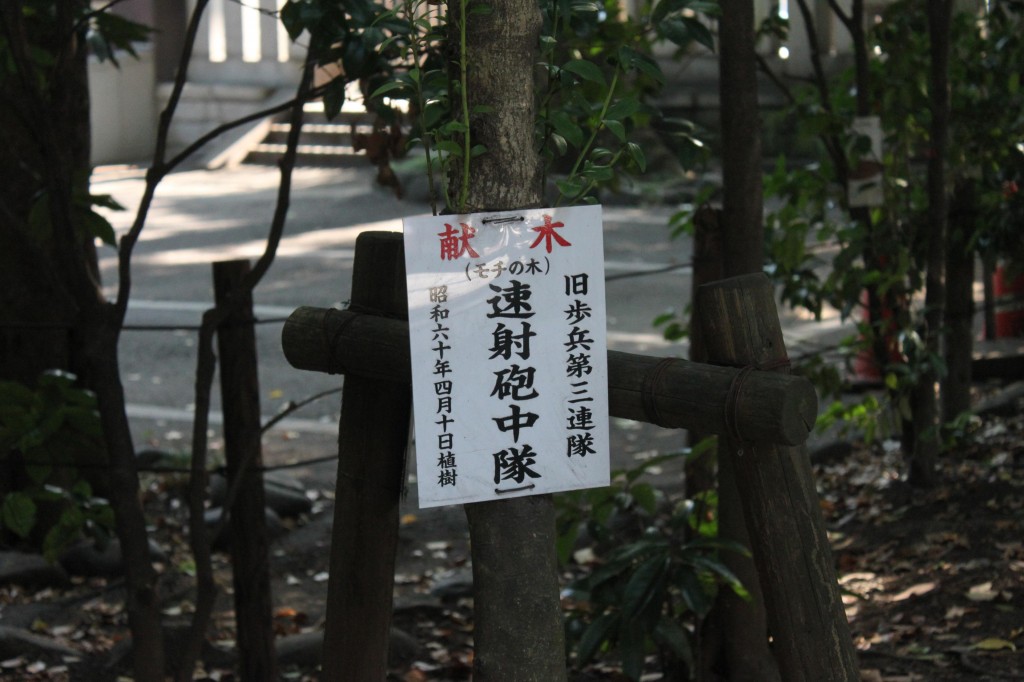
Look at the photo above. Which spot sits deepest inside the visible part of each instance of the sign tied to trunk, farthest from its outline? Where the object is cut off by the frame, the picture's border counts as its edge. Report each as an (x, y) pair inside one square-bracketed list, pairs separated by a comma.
[(509, 354)]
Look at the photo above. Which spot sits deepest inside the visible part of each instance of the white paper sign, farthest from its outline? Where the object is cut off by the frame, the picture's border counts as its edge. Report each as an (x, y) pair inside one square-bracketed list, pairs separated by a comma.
[(509, 361), (864, 188)]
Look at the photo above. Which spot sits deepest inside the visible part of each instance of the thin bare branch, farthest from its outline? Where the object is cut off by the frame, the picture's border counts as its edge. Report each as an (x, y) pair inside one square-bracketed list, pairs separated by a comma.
[(200, 142), (846, 19), (159, 169), (206, 588), (767, 70), (833, 146), (294, 407)]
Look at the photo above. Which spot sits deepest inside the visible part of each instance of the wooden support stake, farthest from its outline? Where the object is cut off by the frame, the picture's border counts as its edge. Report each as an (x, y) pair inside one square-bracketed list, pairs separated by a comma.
[(239, 386), (373, 434), (811, 638), (776, 408), (708, 266)]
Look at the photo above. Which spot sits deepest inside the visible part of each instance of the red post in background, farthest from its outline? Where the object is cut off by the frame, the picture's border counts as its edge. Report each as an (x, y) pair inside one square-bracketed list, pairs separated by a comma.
[(1009, 295)]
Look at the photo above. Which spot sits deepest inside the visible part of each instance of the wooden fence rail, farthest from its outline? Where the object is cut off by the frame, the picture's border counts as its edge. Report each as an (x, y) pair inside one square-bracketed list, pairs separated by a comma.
[(674, 393)]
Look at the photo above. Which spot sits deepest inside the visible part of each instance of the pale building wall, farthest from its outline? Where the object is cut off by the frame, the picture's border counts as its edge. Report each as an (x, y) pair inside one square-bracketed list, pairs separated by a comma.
[(122, 108)]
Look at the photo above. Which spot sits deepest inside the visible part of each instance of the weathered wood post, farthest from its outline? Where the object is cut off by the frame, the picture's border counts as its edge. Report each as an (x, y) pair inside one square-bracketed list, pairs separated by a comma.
[(708, 264), (372, 437), (811, 637), (236, 345)]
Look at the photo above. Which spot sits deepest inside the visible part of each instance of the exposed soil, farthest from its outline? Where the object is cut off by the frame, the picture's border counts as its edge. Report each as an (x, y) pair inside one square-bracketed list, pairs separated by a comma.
[(933, 581)]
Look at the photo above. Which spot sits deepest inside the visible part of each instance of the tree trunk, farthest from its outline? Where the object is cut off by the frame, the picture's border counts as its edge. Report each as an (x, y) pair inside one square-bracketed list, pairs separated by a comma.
[(142, 600), (736, 644), (44, 173), (926, 393), (518, 620), (742, 203), (956, 393)]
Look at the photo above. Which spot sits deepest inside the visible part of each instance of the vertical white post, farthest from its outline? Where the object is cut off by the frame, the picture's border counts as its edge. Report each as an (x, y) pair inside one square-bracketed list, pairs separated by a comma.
[(214, 32), (252, 40), (284, 41)]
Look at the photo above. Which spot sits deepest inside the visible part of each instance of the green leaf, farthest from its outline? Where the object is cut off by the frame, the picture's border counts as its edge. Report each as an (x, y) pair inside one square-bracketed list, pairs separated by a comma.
[(99, 227), (631, 647), (631, 59), (596, 634), (723, 572), (334, 98), (85, 421), (623, 109), (13, 393), (637, 154), (389, 86), (595, 173), (694, 593), (645, 497), (570, 188), (449, 147), (18, 512), (586, 70), (61, 535), (663, 318), (645, 587), (106, 201), (683, 31), (617, 129), (674, 638), (361, 11), (567, 128), (701, 33), (559, 144), (293, 19)]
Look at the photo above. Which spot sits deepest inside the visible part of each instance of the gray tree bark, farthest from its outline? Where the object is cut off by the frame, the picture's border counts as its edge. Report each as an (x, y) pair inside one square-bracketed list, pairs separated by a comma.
[(518, 631)]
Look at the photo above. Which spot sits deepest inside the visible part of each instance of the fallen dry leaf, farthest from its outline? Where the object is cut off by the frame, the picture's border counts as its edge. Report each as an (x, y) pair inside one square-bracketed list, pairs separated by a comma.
[(982, 592), (955, 612), (993, 644), (912, 591)]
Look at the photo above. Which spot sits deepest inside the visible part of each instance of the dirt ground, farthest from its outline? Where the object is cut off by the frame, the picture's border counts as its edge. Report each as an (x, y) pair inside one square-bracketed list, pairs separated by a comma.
[(933, 582)]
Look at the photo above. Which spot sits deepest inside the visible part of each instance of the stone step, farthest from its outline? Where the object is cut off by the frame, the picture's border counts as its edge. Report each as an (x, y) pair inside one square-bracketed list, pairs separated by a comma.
[(322, 144), (330, 134), (333, 156)]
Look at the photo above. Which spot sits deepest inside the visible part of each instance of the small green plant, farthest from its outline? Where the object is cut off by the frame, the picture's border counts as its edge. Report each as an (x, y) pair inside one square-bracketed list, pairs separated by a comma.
[(657, 568), (48, 432)]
